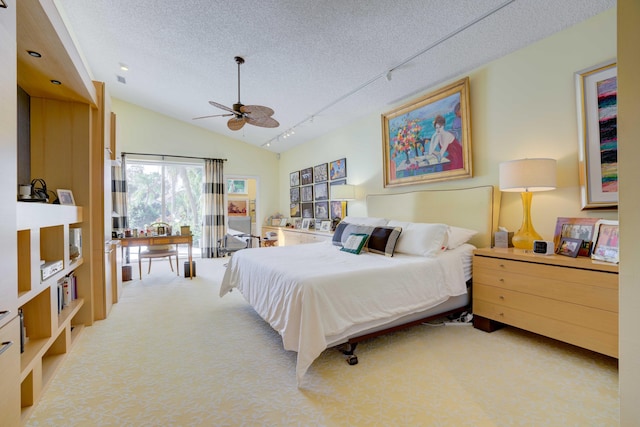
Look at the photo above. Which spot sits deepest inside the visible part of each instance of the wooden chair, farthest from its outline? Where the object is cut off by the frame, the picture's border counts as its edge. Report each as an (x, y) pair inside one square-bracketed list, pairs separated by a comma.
[(158, 251)]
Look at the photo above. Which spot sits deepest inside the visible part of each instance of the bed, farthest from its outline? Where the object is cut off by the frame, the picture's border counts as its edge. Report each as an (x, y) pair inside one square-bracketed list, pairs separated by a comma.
[(320, 295)]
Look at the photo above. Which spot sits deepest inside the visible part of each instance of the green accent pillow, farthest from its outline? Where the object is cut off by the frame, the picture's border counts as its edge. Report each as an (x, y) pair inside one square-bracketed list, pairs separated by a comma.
[(354, 243)]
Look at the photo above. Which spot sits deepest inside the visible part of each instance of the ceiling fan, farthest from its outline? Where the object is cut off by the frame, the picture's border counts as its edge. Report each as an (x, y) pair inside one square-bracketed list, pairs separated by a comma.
[(256, 115)]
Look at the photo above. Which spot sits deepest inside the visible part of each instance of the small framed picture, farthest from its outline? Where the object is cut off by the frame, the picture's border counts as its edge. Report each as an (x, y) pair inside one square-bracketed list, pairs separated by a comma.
[(605, 241), (237, 207), (569, 247), (322, 210), (294, 210), (320, 173), (283, 222), (237, 186), (306, 193), (307, 210), (306, 176), (297, 223), (318, 224), (338, 169), (325, 226), (66, 197), (306, 222), (294, 179), (321, 191), (294, 194), (161, 230), (275, 222)]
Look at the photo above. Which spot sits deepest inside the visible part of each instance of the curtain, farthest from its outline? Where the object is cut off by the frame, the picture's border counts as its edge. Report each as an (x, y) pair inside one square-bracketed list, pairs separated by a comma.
[(119, 218), (214, 209)]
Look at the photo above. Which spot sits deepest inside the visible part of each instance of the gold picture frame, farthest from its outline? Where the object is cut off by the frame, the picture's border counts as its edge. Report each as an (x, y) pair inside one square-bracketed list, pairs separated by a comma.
[(428, 139)]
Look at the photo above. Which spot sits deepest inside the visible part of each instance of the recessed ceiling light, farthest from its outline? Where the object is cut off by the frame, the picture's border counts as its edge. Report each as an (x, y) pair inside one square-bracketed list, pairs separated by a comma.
[(34, 54), (124, 67), (56, 82)]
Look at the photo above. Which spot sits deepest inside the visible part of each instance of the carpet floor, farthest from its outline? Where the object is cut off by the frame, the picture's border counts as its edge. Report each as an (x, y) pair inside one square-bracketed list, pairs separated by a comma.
[(173, 353)]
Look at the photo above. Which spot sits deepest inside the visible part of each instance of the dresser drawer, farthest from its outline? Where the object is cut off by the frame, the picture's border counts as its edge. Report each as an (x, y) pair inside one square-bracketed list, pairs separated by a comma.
[(584, 293), (544, 271), (587, 317), (595, 340)]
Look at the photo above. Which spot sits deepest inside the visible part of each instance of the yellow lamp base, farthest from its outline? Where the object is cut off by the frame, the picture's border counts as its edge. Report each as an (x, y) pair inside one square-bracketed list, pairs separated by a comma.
[(524, 238)]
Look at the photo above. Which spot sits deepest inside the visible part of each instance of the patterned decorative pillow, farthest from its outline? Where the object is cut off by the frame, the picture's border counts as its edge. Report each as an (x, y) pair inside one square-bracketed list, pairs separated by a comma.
[(355, 229), (354, 243), (383, 240)]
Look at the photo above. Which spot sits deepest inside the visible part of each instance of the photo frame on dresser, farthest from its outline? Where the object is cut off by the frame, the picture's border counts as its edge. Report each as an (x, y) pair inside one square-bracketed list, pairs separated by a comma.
[(576, 228), (569, 247), (605, 241)]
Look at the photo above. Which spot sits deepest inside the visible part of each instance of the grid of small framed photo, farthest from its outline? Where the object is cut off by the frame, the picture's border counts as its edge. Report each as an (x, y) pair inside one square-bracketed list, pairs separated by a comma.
[(310, 194)]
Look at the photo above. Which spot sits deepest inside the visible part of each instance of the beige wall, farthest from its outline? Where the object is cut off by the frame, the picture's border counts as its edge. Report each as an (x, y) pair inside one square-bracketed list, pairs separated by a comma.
[(142, 131), (629, 149), (522, 105)]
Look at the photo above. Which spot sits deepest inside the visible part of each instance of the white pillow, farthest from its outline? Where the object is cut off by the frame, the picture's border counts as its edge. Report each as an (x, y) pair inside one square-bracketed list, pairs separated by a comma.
[(366, 220), (459, 236), (421, 239)]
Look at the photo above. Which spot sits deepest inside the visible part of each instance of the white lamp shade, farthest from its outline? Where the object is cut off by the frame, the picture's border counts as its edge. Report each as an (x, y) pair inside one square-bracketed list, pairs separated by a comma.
[(528, 175), (343, 192)]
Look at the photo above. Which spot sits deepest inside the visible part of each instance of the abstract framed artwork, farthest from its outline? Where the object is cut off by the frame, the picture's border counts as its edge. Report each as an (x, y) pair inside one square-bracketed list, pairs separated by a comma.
[(429, 139), (597, 98)]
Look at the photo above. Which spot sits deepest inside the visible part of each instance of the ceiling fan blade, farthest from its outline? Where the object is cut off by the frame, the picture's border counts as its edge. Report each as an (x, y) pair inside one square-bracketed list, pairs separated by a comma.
[(257, 111), (263, 122), (236, 123), (222, 107), (215, 115)]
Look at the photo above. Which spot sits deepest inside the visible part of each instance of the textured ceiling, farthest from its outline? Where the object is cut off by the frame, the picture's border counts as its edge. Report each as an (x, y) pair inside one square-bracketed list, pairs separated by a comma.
[(319, 64)]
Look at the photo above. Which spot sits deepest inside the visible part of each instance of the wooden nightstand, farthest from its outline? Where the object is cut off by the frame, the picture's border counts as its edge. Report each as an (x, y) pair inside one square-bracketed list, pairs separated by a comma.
[(569, 299)]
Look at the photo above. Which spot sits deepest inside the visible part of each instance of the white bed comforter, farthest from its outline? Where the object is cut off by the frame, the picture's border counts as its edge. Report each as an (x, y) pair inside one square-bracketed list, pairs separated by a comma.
[(313, 293)]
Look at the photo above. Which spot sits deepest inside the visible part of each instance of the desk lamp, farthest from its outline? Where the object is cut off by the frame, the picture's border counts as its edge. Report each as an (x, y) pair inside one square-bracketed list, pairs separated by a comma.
[(343, 193), (526, 176)]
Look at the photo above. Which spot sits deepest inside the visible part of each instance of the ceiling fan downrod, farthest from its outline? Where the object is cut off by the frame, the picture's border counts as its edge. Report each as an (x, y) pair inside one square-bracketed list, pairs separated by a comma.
[(239, 61)]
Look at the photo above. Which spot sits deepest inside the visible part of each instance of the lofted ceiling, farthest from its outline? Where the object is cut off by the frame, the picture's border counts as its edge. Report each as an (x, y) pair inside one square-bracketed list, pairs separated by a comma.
[(319, 64)]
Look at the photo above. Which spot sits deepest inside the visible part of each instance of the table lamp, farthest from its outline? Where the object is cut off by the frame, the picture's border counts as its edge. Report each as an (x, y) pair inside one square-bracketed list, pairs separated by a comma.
[(343, 193), (526, 176)]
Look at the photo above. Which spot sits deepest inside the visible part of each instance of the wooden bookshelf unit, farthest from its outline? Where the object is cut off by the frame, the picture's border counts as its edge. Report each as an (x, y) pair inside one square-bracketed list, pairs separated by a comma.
[(43, 234)]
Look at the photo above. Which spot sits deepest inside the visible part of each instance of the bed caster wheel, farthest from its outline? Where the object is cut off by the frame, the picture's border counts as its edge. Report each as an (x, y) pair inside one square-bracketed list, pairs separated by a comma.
[(352, 360)]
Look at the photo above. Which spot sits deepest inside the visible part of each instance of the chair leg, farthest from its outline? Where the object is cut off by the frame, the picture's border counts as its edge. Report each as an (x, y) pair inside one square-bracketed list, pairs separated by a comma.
[(140, 266), (170, 263), (149, 272)]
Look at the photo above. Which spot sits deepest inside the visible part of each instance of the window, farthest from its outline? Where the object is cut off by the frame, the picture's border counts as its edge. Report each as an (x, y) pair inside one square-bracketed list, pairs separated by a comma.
[(162, 191)]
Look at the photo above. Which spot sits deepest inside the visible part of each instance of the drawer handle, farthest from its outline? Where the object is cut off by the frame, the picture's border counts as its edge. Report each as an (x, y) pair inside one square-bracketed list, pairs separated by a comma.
[(501, 279), (502, 314), (5, 346), (4, 314), (501, 265), (501, 297)]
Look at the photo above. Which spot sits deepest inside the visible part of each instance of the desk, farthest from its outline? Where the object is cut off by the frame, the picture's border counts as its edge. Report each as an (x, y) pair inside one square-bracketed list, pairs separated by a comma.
[(128, 242)]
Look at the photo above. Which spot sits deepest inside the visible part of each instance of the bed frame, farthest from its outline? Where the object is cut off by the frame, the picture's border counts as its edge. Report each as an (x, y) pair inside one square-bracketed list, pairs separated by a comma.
[(476, 208)]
